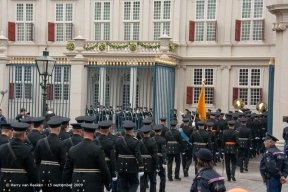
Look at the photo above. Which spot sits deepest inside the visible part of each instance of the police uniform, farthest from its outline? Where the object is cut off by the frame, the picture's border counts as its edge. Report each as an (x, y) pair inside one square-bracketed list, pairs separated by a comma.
[(27, 120), (17, 164), (75, 138), (257, 140), (86, 174), (215, 128), (129, 160), (147, 122), (244, 145), (285, 137), (222, 126), (263, 131), (213, 137), (63, 134), (229, 146), (149, 153), (4, 138), (174, 146), (273, 166), (164, 128), (207, 179), (35, 135), (50, 157)]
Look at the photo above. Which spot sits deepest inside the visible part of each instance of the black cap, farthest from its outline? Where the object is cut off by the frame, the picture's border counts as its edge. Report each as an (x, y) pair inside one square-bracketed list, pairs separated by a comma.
[(147, 121), (129, 125), (228, 114), (231, 122), (241, 115), (235, 115), (105, 124), (6, 126), (210, 124), (126, 121), (145, 129), (89, 119), (163, 119), (248, 115), (55, 122), (188, 116), (217, 114), (185, 120), (270, 137), (38, 120), (212, 114), (151, 118), (173, 123), (222, 114), (204, 155), (80, 119), (21, 127), (244, 120), (200, 123), (76, 125), (65, 120), (157, 128), (27, 120), (53, 117), (90, 128)]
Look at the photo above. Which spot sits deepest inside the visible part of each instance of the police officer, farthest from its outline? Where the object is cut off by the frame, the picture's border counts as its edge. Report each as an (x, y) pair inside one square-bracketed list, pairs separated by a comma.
[(129, 160), (89, 119), (213, 119), (207, 179), (273, 165), (200, 139), (229, 147), (164, 128), (28, 120), (213, 136), (174, 146), (50, 157), (36, 133), (256, 129), (244, 145), (147, 122), (162, 155), (149, 153), (222, 126), (6, 133), (285, 137), (186, 131), (76, 136), (86, 174), (17, 162)]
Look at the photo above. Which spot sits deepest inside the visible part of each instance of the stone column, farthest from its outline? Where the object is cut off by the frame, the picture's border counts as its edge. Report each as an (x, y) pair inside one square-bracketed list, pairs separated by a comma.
[(281, 68), (225, 79), (133, 86), (102, 85)]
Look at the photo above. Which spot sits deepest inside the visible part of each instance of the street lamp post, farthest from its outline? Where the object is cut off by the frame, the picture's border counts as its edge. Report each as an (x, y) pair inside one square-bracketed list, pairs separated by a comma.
[(45, 65)]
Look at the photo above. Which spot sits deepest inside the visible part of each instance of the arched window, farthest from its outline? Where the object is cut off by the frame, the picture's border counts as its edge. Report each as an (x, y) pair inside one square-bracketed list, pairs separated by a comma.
[(126, 91)]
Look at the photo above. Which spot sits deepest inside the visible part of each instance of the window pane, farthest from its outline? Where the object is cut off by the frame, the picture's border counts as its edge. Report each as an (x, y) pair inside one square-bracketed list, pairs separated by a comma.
[(211, 9), (257, 30), (106, 15), (196, 91), (59, 32), (200, 9), (28, 31), (243, 94), (255, 77), (246, 9), (157, 30), (258, 8), (197, 76), (20, 12), (210, 31), (245, 32), (209, 76), (157, 10), (136, 10), (255, 96), (126, 96), (166, 28), (28, 89), (20, 31), (57, 74), (66, 92), (69, 12), (96, 92), (18, 90), (137, 95), (18, 73), (107, 95), (167, 6), (127, 30), (135, 31), (97, 31), (59, 12), (243, 77), (27, 73), (106, 31), (68, 31), (127, 10), (97, 10), (66, 75), (199, 31), (29, 12), (57, 91), (209, 95)]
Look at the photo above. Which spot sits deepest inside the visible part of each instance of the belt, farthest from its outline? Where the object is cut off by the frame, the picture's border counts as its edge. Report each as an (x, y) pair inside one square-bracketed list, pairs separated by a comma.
[(107, 159), (86, 170), (159, 154), (263, 128), (230, 143), (196, 143), (146, 156), (7, 170), (127, 156), (243, 138), (172, 142), (214, 131), (50, 163)]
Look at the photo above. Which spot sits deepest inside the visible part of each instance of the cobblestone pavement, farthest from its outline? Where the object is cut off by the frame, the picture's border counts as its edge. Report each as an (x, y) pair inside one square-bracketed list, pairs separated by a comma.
[(250, 181)]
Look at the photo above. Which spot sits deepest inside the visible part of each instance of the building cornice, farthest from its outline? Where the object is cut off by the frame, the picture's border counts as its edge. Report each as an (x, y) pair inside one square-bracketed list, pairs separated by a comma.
[(205, 58)]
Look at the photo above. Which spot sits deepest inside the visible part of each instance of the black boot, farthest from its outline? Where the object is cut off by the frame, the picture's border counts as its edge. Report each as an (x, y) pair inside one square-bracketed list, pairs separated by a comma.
[(185, 173)]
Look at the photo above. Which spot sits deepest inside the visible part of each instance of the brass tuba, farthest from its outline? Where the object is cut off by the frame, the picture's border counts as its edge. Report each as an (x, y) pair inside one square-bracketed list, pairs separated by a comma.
[(261, 107), (238, 104)]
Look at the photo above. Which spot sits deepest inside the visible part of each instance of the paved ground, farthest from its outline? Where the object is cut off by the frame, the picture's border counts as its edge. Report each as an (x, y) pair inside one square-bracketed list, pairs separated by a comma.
[(251, 181)]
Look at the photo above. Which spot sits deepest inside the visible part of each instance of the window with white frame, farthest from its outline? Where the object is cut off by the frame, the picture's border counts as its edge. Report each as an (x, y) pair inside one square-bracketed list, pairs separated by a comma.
[(23, 82), (24, 21), (199, 75), (96, 89), (249, 86), (61, 83), (205, 20), (126, 91), (131, 20), (161, 17), (252, 20), (102, 14), (64, 21)]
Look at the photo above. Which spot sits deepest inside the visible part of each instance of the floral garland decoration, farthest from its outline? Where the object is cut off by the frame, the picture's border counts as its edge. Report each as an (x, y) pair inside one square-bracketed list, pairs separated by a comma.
[(90, 47), (117, 46), (132, 47), (172, 47), (148, 46), (102, 46), (70, 46)]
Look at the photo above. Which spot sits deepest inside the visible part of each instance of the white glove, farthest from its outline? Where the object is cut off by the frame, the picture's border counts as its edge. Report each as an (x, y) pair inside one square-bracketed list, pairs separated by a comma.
[(183, 153), (251, 148), (181, 113), (141, 174), (217, 153), (114, 178), (164, 166), (193, 124)]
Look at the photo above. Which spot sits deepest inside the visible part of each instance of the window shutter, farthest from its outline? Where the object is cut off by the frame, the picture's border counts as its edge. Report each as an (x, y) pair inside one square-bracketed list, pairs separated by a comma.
[(213, 96), (30, 91), (32, 32), (11, 31), (50, 92), (189, 96), (263, 29), (11, 90), (191, 30), (237, 30), (51, 31), (216, 31), (235, 94), (260, 94)]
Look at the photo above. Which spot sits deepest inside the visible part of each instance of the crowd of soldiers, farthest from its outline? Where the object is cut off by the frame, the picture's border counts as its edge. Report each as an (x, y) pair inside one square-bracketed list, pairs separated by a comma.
[(92, 156)]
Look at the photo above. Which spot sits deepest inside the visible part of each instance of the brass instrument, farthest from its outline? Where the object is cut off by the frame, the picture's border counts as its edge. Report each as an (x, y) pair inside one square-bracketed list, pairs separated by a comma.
[(261, 107), (238, 104)]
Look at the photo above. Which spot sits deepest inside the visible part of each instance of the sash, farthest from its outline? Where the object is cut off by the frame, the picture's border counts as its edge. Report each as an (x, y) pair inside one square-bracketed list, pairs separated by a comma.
[(184, 136)]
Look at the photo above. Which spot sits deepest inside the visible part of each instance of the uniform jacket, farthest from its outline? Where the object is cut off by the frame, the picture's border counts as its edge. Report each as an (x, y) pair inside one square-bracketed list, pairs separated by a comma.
[(63, 135), (188, 131), (230, 135), (111, 137), (174, 142), (164, 130), (140, 135), (215, 126), (245, 136), (263, 129), (162, 151), (214, 144), (34, 136), (72, 141), (222, 126), (285, 133), (4, 139), (149, 153), (199, 138)]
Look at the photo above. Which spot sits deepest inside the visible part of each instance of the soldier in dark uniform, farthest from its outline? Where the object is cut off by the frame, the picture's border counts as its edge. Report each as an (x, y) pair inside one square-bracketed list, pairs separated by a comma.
[(207, 179), (228, 117), (86, 174), (175, 146), (50, 157), (215, 128), (244, 144), (263, 131), (164, 128), (285, 137), (118, 118), (89, 119), (28, 120), (229, 147), (175, 114), (36, 133), (17, 162), (162, 155), (186, 131), (200, 139), (6, 133), (109, 149), (222, 126), (235, 118), (129, 160), (147, 122), (273, 165), (63, 133), (257, 138), (149, 153), (76, 137), (213, 136), (139, 120)]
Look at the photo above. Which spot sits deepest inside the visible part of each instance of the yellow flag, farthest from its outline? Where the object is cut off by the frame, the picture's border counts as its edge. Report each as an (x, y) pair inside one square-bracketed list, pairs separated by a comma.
[(202, 105)]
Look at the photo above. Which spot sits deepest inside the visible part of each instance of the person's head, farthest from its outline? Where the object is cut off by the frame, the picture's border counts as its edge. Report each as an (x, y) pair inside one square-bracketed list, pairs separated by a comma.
[(200, 124), (243, 121), (209, 125), (146, 130), (173, 124), (231, 124), (6, 129), (38, 123), (55, 125), (19, 130), (158, 129), (212, 115), (270, 140), (65, 123), (205, 158), (221, 116), (185, 122), (163, 121), (22, 111), (129, 126), (104, 127), (76, 129), (89, 130)]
